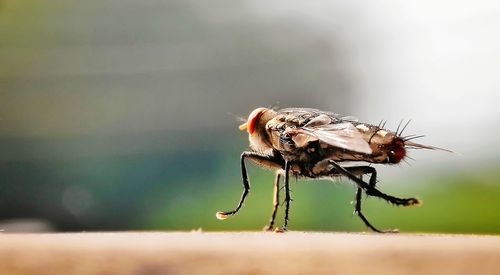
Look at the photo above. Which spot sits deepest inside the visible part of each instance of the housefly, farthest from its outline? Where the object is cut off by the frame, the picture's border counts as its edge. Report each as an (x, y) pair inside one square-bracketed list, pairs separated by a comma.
[(316, 144)]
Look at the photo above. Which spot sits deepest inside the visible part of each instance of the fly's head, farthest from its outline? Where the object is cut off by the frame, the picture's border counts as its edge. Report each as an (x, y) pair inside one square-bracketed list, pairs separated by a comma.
[(390, 147), (256, 128), (387, 147), (396, 150)]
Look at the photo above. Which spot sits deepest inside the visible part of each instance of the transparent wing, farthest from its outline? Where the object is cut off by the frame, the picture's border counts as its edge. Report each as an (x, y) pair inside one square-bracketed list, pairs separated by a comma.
[(335, 116), (343, 135)]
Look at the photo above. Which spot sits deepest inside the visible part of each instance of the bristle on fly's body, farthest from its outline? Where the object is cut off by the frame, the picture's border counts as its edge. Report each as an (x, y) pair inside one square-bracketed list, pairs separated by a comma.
[(413, 145)]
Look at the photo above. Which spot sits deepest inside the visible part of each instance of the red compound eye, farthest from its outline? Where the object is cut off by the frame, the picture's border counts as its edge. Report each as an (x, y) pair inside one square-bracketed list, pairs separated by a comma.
[(397, 151)]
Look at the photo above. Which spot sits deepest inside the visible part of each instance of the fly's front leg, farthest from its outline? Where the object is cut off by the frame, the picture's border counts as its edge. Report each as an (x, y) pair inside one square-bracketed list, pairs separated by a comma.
[(351, 173), (276, 201), (363, 170), (371, 190), (258, 158), (360, 171)]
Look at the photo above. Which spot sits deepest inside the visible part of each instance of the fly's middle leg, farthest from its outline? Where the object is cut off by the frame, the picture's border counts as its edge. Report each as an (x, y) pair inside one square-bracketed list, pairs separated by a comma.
[(287, 194), (276, 201)]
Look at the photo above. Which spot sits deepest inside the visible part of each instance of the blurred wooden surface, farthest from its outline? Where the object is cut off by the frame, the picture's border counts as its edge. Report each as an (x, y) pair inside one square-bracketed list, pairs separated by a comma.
[(247, 253)]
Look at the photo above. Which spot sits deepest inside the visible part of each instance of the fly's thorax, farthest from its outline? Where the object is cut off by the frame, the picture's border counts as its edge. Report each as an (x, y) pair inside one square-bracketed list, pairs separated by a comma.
[(386, 146)]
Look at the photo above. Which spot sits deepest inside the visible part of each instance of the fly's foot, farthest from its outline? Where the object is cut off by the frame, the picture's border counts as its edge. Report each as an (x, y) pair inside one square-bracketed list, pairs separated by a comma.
[(280, 230), (268, 228), (412, 202), (221, 215), (390, 231)]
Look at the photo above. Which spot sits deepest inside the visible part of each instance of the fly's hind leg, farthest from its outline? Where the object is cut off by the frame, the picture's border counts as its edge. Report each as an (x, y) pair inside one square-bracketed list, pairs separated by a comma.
[(264, 160)]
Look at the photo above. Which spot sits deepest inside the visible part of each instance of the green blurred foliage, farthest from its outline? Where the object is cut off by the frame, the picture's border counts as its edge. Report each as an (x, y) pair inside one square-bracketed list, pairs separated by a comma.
[(462, 203), (183, 191)]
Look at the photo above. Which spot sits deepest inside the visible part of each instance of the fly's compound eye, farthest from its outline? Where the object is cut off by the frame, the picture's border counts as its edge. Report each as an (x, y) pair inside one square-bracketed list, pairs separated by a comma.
[(397, 152)]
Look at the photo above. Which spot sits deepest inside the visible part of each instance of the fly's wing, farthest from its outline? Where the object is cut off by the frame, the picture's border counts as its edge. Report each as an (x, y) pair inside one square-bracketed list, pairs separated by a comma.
[(316, 112), (342, 135)]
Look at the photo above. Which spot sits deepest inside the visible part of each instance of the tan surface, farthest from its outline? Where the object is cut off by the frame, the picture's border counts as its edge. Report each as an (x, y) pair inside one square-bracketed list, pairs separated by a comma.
[(247, 253)]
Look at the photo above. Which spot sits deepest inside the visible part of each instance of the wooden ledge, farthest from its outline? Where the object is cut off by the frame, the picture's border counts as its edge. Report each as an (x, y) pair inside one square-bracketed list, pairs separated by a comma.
[(247, 253)]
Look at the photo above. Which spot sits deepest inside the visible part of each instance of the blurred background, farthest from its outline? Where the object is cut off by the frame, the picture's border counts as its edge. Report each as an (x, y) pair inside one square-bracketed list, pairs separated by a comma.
[(122, 115)]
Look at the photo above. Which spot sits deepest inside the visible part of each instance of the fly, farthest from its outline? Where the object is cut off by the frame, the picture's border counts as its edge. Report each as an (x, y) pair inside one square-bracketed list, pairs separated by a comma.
[(314, 144)]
